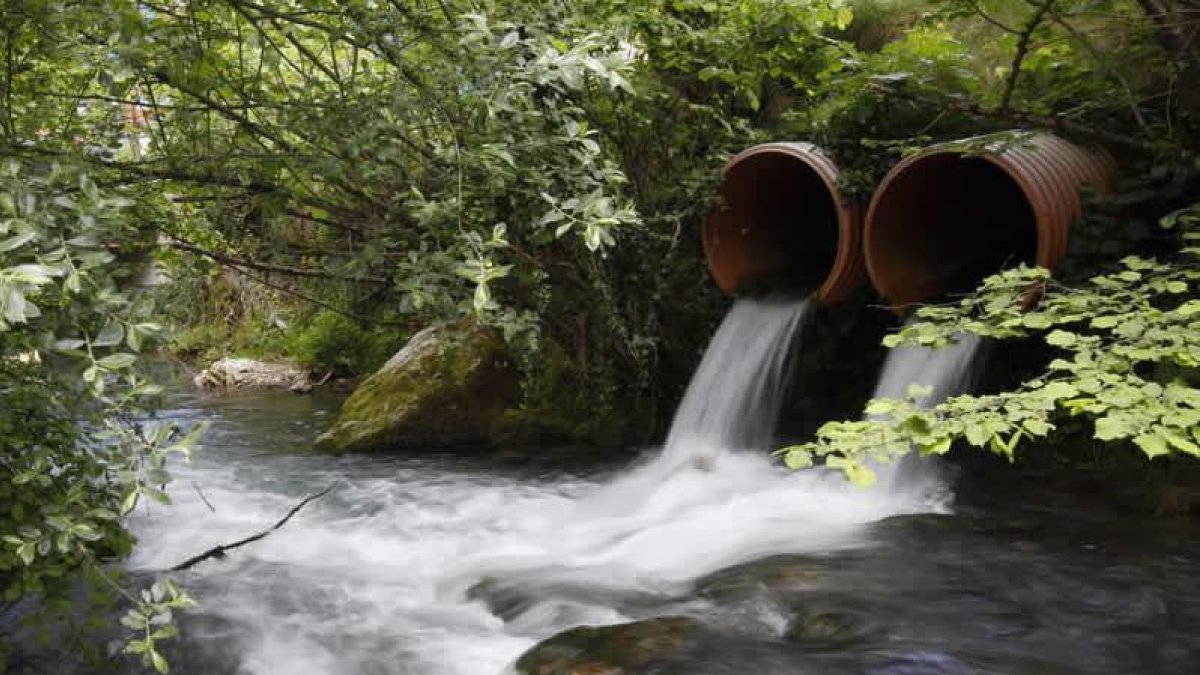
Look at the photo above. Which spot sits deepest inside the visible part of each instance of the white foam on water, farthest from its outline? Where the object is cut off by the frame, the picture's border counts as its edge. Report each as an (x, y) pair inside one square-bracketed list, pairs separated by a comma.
[(377, 578)]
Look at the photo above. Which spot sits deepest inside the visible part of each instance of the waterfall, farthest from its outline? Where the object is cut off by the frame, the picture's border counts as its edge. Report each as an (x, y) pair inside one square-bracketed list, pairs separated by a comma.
[(948, 372), (734, 398)]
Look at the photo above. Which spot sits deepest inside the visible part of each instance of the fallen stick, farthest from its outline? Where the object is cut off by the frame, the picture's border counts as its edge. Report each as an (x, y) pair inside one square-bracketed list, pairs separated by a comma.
[(220, 551)]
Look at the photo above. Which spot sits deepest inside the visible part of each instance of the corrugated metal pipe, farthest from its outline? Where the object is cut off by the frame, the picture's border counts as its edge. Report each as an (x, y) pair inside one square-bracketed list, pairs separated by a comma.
[(943, 219), (782, 223)]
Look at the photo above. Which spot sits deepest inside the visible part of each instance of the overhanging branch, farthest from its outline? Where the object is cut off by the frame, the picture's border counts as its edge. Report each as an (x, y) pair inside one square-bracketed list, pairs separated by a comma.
[(225, 259), (1029, 119)]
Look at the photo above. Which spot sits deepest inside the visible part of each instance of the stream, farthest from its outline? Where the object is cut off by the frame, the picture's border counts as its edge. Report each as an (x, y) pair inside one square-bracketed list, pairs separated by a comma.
[(376, 577), (703, 557)]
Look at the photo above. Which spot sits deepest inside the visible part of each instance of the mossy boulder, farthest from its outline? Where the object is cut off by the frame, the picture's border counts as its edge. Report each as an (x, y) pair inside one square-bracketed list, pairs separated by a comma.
[(450, 385)]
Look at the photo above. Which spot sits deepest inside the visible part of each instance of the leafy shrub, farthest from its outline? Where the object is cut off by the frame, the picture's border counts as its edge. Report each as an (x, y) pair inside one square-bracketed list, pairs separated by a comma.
[(335, 342)]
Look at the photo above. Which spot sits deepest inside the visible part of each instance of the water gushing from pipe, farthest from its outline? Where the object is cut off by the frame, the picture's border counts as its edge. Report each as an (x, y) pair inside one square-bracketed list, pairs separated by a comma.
[(734, 398), (949, 371)]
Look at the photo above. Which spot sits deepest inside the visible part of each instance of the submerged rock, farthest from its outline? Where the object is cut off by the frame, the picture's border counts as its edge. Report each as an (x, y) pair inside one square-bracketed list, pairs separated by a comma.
[(448, 386), (236, 373), (782, 576), (629, 648)]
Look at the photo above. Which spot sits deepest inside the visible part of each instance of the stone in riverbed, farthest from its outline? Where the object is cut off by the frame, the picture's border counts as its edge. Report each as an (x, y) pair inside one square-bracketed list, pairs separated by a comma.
[(236, 373), (638, 647), (450, 385)]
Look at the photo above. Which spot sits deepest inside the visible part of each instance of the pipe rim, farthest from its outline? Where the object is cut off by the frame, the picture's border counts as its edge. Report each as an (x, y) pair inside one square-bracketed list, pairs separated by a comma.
[(1049, 157), (846, 270)]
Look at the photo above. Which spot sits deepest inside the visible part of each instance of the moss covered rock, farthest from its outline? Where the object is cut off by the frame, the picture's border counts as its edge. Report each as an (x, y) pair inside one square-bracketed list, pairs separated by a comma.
[(448, 386)]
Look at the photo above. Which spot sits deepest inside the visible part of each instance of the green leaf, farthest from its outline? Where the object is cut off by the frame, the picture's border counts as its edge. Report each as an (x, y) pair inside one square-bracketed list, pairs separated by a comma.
[(881, 406), (1059, 390), (111, 335), (13, 243), (160, 664), (26, 552), (130, 501), (1189, 308), (1037, 321), (1112, 427), (1180, 441), (938, 447), (85, 532), (857, 472), (1061, 338), (117, 361), (977, 435), (136, 646), (1153, 444), (1036, 426), (797, 459)]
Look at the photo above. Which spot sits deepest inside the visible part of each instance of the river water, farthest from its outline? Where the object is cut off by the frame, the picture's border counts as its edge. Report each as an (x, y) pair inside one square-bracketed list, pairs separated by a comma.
[(439, 563), (377, 577)]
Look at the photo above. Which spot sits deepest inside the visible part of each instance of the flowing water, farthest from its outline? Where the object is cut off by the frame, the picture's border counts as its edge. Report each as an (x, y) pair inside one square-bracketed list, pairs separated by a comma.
[(403, 570), (946, 372), (734, 398), (442, 564)]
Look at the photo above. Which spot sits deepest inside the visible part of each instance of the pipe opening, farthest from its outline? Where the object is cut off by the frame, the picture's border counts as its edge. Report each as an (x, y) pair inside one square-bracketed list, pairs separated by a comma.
[(778, 226), (945, 222)]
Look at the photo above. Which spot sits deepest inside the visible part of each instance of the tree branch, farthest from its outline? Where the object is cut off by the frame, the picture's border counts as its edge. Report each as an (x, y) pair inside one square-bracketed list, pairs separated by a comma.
[(141, 170), (1023, 39), (313, 58), (1101, 61), (314, 301), (266, 267), (990, 19), (220, 551), (1021, 117)]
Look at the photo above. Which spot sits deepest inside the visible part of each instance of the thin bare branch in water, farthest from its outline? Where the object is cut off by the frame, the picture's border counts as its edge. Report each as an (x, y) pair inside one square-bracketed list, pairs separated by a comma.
[(196, 487), (220, 551)]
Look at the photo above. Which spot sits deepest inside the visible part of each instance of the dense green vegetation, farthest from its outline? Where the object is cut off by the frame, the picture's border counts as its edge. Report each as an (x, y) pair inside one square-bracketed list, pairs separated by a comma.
[(320, 179)]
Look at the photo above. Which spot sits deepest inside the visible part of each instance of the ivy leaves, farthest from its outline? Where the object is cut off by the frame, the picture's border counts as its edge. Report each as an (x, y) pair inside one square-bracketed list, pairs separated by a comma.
[(1129, 352)]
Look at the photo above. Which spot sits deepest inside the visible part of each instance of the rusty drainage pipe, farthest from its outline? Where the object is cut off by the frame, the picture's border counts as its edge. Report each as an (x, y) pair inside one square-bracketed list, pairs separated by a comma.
[(783, 224), (942, 220)]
